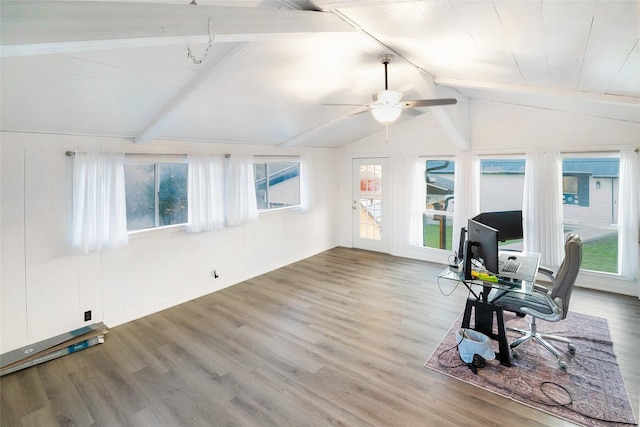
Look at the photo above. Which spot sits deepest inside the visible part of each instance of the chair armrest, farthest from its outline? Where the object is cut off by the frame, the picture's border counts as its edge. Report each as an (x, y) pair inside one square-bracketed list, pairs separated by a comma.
[(546, 271), (552, 317), (540, 288), (545, 287)]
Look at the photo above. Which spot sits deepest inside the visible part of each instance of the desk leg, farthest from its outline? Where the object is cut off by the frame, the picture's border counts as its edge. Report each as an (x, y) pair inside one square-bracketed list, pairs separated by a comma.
[(483, 322)]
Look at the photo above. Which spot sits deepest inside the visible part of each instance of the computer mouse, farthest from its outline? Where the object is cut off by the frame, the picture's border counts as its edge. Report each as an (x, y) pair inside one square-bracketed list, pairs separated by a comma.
[(512, 257)]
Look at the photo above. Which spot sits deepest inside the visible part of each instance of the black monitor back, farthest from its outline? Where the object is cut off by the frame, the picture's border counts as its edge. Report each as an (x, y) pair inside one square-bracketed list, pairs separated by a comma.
[(508, 223)]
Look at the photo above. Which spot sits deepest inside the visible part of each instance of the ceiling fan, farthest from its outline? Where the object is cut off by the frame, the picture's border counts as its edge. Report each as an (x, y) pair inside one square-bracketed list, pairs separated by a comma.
[(387, 104)]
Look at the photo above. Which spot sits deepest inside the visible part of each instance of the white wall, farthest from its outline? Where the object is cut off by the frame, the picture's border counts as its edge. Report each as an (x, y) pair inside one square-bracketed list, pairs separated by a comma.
[(45, 290), (495, 129)]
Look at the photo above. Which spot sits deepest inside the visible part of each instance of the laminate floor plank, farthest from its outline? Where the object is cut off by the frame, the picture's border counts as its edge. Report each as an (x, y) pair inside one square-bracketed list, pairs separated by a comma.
[(67, 406), (106, 409), (338, 339)]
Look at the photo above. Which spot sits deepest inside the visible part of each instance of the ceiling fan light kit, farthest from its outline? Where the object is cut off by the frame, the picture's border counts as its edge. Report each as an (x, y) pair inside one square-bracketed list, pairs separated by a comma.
[(386, 107)]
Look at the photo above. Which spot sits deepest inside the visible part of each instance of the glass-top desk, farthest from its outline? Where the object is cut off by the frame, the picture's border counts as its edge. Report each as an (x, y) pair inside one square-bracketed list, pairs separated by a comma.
[(482, 304)]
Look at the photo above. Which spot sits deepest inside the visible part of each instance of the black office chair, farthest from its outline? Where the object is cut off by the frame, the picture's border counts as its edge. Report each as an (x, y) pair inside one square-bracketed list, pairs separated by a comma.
[(547, 304)]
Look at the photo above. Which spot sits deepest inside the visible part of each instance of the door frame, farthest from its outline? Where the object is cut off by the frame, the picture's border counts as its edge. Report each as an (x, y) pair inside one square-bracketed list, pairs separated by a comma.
[(384, 244)]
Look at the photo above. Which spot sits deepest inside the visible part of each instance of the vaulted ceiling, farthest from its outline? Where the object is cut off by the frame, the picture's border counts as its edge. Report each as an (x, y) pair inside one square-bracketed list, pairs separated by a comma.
[(265, 72)]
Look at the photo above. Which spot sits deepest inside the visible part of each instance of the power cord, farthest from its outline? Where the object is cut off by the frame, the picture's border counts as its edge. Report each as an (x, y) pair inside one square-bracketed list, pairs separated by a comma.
[(452, 291), (457, 282), (438, 359)]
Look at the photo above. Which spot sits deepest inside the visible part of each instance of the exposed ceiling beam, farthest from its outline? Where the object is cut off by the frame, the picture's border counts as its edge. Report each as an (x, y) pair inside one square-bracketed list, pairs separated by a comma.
[(453, 118), (321, 128), (216, 74), (538, 91), (341, 4), (35, 28)]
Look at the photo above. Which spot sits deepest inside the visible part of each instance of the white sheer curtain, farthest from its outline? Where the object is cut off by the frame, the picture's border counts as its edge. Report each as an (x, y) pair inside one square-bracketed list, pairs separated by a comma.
[(542, 206), (240, 192), (629, 214), (466, 192), (206, 193), (306, 184), (99, 203), (417, 196)]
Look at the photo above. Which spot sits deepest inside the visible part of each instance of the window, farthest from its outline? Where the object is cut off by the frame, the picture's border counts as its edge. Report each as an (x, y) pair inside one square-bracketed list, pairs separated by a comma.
[(156, 194), (502, 188), (437, 218), (590, 197), (277, 184)]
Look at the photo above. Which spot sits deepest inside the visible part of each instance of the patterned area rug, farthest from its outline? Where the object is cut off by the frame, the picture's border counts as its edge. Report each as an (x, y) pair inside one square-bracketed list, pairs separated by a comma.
[(591, 392)]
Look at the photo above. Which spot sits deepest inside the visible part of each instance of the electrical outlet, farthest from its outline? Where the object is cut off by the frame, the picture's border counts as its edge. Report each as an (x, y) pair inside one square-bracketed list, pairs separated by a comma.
[(87, 316)]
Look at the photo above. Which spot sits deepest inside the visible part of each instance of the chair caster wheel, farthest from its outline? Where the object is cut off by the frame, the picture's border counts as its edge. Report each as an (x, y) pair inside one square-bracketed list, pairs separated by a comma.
[(572, 348), (563, 365), (515, 354)]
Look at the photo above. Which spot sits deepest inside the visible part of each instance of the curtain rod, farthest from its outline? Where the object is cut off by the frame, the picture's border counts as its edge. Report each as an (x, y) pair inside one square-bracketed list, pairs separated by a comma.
[(614, 150), (73, 153)]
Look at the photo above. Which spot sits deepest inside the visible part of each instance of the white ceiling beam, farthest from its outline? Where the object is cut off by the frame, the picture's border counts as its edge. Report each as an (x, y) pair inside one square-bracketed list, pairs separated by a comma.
[(321, 128), (214, 75), (454, 119), (35, 28), (539, 91), (341, 4)]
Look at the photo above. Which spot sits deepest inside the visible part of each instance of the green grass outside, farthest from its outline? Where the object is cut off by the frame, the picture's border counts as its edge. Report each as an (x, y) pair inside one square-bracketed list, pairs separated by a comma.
[(598, 255), (432, 236), (601, 255)]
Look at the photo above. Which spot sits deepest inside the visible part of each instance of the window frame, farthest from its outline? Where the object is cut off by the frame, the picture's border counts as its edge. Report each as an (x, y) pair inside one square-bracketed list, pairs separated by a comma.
[(573, 222), (449, 214), (156, 160)]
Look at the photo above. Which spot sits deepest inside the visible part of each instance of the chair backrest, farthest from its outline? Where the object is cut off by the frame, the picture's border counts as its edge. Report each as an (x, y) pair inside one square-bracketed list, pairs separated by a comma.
[(565, 277)]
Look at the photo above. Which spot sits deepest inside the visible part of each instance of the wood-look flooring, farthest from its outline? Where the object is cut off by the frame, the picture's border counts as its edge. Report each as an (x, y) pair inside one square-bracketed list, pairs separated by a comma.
[(338, 339)]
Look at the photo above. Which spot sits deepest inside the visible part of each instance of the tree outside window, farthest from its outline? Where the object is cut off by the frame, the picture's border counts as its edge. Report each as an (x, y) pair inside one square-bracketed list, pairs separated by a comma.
[(156, 194)]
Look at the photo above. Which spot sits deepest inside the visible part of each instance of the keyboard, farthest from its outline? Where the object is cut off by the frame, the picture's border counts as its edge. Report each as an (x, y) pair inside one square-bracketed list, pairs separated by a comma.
[(511, 266)]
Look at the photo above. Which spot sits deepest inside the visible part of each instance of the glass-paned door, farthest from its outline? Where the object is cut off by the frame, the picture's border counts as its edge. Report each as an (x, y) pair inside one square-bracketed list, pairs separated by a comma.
[(370, 204)]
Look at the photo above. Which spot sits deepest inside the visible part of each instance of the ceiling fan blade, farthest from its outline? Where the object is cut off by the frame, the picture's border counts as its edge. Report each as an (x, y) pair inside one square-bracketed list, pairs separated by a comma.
[(428, 102)]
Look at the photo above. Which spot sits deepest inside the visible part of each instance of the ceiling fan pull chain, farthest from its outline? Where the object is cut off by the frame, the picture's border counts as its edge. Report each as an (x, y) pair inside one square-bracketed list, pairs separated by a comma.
[(206, 52)]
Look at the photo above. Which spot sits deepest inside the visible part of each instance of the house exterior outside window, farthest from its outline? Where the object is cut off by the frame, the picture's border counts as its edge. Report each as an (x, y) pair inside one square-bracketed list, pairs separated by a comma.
[(437, 217), (277, 184)]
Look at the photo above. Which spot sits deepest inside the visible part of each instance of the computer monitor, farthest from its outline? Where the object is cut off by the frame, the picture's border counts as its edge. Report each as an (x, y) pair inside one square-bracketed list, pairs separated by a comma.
[(508, 223), (483, 244)]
